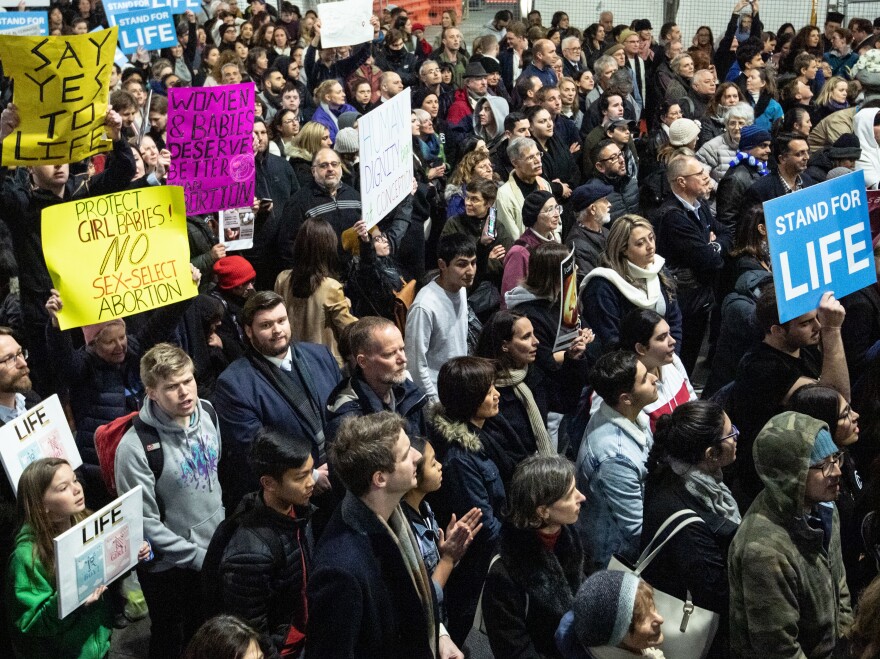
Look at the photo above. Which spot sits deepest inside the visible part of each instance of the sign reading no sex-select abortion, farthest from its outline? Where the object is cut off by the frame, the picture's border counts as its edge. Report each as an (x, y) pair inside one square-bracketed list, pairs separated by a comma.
[(820, 240), (118, 254), (209, 135), (61, 90)]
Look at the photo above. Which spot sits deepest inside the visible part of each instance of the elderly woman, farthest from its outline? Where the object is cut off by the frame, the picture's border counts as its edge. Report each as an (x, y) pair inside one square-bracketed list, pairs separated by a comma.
[(719, 151), (613, 617), (540, 565)]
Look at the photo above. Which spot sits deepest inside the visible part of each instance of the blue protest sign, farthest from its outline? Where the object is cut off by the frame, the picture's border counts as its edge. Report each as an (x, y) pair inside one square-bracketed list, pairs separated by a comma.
[(151, 28), (820, 240), (24, 23)]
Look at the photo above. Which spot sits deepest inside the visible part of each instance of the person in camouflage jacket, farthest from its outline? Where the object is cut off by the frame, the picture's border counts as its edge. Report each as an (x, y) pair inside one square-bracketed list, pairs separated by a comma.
[(788, 593)]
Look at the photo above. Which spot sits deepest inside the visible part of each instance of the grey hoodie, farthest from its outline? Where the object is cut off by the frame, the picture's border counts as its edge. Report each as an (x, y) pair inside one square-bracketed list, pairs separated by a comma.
[(518, 295), (188, 486), (500, 110)]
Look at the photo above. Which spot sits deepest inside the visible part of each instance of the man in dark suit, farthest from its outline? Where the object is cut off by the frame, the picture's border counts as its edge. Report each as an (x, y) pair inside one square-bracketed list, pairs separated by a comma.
[(791, 153), (277, 384), (571, 57), (694, 245), (369, 593)]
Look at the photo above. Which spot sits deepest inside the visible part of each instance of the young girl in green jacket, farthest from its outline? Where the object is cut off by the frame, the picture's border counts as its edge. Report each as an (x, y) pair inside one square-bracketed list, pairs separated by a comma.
[(50, 501)]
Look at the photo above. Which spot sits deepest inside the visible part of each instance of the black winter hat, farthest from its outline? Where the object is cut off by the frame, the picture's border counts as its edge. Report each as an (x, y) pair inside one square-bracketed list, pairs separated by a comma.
[(533, 205), (847, 146)]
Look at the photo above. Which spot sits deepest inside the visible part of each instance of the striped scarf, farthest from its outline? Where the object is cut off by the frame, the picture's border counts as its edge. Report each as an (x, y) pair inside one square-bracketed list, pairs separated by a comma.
[(741, 156)]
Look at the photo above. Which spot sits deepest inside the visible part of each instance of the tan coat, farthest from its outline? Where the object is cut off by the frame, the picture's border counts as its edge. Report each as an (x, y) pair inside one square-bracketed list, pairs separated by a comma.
[(320, 317)]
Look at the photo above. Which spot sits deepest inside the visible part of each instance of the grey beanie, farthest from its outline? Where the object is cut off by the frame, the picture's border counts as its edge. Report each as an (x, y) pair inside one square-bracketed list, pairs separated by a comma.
[(346, 141), (603, 608), (347, 119)]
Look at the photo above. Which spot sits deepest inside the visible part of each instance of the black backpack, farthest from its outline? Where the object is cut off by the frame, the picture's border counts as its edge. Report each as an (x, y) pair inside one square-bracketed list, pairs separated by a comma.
[(210, 573)]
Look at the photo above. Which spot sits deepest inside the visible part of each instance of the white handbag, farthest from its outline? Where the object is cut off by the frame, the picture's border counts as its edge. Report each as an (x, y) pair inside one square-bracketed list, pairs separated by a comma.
[(688, 630)]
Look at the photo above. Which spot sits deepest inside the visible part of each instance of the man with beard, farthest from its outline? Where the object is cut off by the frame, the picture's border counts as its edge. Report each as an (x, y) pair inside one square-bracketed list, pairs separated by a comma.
[(277, 384), (270, 94), (609, 167), (379, 379), (437, 322), (590, 232), (16, 397)]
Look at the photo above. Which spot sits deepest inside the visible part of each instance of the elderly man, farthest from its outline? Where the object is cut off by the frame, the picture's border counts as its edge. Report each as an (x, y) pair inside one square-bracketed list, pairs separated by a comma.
[(475, 88), (571, 57), (541, 66), (524, 179), (604, 67)]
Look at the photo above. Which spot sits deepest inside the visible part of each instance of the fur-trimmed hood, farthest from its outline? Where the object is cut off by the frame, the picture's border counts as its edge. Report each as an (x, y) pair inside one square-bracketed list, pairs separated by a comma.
[(454, 432)]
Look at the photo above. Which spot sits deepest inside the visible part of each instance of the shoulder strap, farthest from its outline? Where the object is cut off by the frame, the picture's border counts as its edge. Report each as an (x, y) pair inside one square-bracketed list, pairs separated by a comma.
[(149, 437), (651, 551), (211, 413), (274, 544)]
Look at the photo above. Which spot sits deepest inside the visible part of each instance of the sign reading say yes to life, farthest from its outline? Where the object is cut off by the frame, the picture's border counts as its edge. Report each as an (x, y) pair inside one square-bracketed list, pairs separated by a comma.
[(99, 549), (820, 240), (41, 432)]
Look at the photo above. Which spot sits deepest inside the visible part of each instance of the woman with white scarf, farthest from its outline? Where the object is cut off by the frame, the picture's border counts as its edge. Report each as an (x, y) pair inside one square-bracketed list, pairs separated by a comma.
[(630, 276), (866, 126), (691, 447)]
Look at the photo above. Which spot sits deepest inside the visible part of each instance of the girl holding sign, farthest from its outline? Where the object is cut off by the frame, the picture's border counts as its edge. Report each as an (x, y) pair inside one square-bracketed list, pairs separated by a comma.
[(50, 501)]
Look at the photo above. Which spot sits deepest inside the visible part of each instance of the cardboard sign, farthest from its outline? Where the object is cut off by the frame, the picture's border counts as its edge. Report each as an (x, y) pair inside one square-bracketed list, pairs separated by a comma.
[(99, 549), (569, 322), (151, 28), (386, 164), (236, 228), (820, 240), (118, 254), (24, 23), (345, 23), (210, 136), (61, 90), (41, 432)]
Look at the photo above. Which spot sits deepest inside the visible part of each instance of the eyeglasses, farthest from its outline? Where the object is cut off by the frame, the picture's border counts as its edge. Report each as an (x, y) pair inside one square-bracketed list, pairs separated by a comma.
[(327, 165), (12, 359), (734, 435), (616, 156), (827, 466), (290, 121), (553, 210), (701, 173), (535, 157)]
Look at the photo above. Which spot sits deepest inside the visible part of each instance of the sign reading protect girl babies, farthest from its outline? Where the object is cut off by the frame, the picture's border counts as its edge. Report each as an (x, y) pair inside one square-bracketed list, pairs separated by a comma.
[(99, 549), (41, 432)]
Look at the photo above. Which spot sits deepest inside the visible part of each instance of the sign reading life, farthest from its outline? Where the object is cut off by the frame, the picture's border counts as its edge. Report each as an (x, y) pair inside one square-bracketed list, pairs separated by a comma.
[(118, 254), (820, 240)]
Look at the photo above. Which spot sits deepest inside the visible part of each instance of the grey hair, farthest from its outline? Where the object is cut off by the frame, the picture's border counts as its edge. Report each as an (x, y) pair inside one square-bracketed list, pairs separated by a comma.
[(421, 115), (675, 64), (699, 74), (519, 146), (741, 110), (677, 165), (568, 41), (604, 63)]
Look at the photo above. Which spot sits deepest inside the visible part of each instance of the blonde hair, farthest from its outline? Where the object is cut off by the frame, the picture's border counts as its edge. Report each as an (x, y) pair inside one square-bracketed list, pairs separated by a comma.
[(163, 361), (310, 138), (617, 245), (324, 88), (824, 94)]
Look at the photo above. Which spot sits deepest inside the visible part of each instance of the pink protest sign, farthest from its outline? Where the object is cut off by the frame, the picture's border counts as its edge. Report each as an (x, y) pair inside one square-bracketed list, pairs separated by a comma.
[(209, 135)]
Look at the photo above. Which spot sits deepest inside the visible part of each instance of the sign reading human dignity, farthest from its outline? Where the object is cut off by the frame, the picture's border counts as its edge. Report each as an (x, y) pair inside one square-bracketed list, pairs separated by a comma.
[(820, 240), (118, 254), (98, 550), (210, 137), (61, 89)]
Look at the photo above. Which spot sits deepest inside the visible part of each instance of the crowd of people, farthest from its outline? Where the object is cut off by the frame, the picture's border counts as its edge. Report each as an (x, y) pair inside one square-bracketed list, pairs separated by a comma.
[(361, 442)]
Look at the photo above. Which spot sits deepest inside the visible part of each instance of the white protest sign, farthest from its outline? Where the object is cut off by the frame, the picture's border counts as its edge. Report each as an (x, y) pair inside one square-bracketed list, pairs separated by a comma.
[(386, 164), (345, 23), (100, 548), (41, 432), (237, 228)]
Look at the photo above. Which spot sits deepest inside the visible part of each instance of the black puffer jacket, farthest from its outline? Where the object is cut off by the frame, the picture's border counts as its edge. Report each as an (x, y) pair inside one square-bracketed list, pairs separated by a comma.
[(528, 590), (731, 188), (267, 596)]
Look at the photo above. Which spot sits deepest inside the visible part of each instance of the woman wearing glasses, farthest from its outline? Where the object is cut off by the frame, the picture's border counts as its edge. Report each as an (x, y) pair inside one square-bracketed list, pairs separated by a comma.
[(691, 447), (541, 215)]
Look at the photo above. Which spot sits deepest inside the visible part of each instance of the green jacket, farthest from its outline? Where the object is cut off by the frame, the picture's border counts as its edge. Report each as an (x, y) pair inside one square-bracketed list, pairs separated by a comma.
[(788, 596), (32, 602)]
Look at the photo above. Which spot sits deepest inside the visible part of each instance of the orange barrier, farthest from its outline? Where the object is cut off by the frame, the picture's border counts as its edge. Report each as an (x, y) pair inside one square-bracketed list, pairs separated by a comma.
[(427, 12)]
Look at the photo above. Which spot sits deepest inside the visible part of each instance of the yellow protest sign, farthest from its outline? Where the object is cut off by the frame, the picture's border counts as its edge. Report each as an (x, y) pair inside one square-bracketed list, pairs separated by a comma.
[(118, 254), (61, 90)]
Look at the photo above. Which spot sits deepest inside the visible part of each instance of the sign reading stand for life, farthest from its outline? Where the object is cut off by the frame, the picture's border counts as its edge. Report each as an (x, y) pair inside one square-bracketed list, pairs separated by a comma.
[(41, 432), (98, 550), (820, 240)]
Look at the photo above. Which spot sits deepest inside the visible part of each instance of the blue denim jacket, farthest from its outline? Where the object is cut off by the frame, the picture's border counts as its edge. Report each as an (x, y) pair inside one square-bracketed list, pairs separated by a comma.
[(611, 471)]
